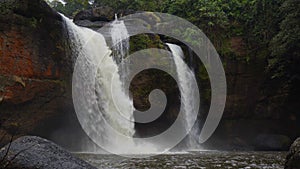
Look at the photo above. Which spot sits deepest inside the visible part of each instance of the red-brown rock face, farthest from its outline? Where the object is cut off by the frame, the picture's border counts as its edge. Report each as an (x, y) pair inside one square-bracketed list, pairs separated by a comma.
[(33, 65)]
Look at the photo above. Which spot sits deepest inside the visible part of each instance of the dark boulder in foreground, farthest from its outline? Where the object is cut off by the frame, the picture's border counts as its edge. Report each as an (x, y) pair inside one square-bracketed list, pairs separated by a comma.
[(272, 142), (293, 157), (35, 152)]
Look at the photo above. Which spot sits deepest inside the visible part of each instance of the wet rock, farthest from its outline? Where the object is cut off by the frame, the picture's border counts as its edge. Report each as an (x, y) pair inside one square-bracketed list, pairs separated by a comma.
[(293, 157), (35, 152), (90, 24), (94, 18), (102, 13), (96, 14), (272, 142), (99, 16), (34, 67)]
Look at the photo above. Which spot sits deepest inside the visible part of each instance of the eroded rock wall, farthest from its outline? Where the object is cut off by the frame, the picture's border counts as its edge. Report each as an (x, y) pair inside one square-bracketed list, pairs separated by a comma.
[(34, 68)]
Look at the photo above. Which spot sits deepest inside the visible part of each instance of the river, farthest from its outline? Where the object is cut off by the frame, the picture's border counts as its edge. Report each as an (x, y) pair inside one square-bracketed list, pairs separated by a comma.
[(192, 160)]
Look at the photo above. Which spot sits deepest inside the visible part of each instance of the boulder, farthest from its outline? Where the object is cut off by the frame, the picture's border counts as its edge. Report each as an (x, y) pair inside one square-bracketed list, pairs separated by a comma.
[(293, 157), (31, 152), (94, 18), (96, 14), (97, 17), (89, 24), (272, 142)]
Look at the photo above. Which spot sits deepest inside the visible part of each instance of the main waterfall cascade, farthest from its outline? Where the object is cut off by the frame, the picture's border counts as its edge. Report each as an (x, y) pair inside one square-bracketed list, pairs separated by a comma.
[(92, 46)]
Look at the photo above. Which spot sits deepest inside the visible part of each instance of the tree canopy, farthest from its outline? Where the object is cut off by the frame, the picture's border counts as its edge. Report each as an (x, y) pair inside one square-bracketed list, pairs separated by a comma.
[(269, 28)]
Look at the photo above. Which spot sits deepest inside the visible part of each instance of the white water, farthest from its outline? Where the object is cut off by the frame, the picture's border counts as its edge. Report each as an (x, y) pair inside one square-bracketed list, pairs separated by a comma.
[(120, 41), (185, 77), (92, 45)]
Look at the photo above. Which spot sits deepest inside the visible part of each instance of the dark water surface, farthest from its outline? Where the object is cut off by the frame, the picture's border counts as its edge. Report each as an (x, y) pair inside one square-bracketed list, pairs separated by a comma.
[(202, 160)]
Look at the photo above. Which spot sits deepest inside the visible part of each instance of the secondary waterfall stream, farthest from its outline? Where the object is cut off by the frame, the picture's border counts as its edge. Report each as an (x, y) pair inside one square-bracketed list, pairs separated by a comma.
[(120, 39), (185, 76), (92, 46)]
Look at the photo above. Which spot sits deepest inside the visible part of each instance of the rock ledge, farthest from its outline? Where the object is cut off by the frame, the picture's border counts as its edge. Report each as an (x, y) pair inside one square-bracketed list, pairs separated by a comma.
[(35, 152), (293, 157)]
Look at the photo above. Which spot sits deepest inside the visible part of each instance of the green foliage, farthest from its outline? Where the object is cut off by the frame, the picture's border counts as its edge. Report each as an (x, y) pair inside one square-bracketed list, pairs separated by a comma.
[(33, 22), (284, 47), (141, 5), (139, 42), (71, 7), (270, 28), (205, 14), (262, 22)]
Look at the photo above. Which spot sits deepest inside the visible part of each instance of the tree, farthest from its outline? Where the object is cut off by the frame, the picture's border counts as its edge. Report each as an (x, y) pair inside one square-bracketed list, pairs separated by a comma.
[(284, 47), (262, 24), (70, 7)]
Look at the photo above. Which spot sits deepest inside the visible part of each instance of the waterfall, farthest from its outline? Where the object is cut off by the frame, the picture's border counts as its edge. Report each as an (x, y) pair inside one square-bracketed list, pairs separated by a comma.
[(120, 39), (92, 45), (185, 76)]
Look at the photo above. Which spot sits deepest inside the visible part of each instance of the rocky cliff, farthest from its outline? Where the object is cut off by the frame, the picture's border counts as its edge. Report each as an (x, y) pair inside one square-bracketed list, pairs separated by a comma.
[(253, 117), (259, 114), (34, 69), (35, 152), (35, 83)]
